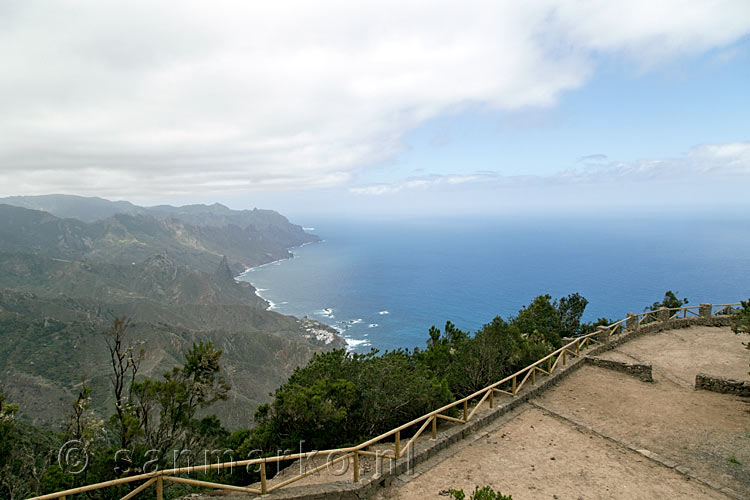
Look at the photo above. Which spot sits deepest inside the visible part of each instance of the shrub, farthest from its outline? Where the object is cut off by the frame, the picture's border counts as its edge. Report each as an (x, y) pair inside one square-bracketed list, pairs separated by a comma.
[(485, 493), (670, 301), (741, 320)]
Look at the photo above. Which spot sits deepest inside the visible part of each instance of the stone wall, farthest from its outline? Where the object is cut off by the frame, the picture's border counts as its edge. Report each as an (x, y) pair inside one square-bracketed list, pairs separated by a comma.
[(641, 371), (722, 384)]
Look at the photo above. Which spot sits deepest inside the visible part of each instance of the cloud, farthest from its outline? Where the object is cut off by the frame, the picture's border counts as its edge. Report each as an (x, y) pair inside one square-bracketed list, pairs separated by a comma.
[(421, 183), (709, 161), (712, 162), (708, 179), (121, 98), (592, 158)]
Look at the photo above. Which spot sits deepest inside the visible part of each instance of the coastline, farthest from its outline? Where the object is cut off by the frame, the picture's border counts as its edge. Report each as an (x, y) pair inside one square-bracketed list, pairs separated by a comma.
[(271, 305), (315, 327), (316, 330)]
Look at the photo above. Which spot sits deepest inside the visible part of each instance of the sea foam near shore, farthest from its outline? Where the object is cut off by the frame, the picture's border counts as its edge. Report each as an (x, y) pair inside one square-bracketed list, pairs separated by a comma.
[(352, 344), (327, 314)]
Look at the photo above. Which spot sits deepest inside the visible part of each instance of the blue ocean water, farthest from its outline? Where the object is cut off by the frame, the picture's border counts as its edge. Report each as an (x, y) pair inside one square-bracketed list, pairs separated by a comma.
[(384, 283)]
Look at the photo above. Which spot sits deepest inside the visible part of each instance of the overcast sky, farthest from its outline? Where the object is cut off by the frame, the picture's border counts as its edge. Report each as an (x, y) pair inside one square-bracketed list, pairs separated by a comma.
[(379, 107)]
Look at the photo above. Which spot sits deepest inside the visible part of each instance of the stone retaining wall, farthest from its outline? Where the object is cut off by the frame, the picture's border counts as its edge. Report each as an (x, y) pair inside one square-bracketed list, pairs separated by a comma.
[(640, 371), (723, 385)]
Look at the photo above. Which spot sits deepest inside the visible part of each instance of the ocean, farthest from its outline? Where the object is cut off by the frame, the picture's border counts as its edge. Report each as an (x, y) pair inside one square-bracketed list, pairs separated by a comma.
[(383, 283)]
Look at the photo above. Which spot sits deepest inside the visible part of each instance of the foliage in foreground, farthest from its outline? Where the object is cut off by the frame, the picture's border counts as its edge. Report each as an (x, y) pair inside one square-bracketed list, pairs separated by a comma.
[(741, 321), (486, 493), (154, 421), (670, 301)]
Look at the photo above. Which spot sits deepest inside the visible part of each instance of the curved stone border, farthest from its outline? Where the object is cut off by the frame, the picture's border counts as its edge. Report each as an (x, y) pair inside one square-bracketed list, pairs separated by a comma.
[(722, 385), (641, 371)]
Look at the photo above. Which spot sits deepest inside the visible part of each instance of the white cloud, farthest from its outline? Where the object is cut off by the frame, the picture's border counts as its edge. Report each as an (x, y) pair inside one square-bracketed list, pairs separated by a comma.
[(422, 183), (711, 162), (114, 98), (714, 163), (708, 179), (594, 158)]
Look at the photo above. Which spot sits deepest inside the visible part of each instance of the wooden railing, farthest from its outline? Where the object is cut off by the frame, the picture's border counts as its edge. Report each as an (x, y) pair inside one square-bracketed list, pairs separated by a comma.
[(508, 387)]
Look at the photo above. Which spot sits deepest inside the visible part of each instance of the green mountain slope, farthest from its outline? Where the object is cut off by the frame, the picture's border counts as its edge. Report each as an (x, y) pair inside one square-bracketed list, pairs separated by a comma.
[(74, 207), (63, 281), (194, 235)]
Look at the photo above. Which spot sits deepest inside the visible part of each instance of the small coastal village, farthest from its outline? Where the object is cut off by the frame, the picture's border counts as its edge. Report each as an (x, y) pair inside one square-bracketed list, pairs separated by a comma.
[(318, 331)]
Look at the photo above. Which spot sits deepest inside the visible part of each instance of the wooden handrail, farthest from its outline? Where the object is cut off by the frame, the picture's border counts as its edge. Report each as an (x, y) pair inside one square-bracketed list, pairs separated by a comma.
[(139, 489), (96, 486), (208, 484)]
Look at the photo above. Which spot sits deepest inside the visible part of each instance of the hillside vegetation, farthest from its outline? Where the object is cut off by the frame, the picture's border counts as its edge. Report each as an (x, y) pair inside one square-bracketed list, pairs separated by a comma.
[(170, 269)]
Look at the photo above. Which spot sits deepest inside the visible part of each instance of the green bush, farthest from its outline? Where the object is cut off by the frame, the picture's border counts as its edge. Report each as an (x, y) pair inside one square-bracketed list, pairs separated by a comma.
[(485, 493), (741, 320), (670, 301), (341, 398)]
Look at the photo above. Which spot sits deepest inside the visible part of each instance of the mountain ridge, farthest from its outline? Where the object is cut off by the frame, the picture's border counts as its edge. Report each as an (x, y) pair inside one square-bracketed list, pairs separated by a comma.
[(63, 280)]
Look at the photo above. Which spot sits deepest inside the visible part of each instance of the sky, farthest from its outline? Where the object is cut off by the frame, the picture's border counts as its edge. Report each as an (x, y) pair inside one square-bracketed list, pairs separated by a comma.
[(380, 108)]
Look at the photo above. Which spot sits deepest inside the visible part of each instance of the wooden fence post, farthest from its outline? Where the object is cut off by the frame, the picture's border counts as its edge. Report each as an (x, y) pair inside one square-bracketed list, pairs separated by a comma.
[(159, 488), (466, 411), (263, 480), (434, 427), (398, 444), (356, 466), (492, 398)]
